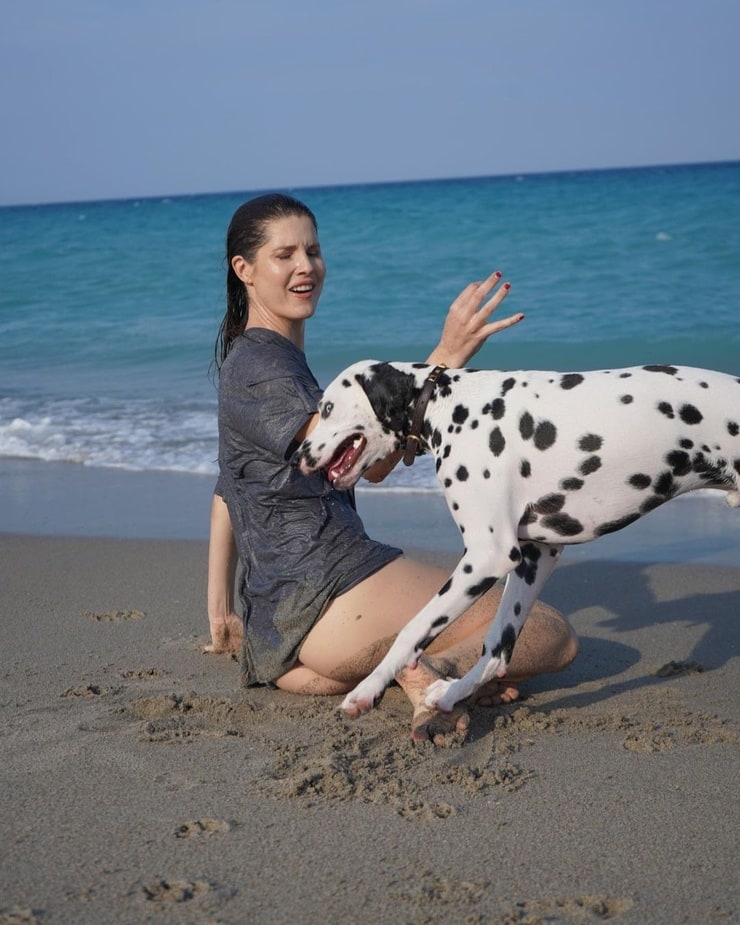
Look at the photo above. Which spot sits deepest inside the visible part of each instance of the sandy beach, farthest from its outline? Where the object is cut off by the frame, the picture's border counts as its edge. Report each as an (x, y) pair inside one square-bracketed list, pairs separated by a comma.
[(141, 783)]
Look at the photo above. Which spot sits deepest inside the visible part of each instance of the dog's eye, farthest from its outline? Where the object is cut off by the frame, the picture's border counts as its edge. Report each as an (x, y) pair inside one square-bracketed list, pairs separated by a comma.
[(326, 409)]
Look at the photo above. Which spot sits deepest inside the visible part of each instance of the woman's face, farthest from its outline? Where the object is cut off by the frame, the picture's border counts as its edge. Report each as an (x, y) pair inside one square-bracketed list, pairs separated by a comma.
[(285, 279)]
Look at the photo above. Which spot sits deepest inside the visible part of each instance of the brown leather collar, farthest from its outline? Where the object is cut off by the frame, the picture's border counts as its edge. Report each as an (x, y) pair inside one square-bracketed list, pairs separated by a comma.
[(413, 441)]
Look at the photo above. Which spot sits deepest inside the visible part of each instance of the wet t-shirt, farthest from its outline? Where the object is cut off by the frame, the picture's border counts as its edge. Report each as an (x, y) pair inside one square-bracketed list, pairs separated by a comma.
[(300, 541)]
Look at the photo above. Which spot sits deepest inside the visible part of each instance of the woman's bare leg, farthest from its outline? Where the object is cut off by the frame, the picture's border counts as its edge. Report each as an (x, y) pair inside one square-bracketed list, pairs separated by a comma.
[(358, 628)]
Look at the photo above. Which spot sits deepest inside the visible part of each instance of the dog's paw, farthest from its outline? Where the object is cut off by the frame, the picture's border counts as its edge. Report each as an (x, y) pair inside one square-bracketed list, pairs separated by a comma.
[(440, 695), (362, 699)]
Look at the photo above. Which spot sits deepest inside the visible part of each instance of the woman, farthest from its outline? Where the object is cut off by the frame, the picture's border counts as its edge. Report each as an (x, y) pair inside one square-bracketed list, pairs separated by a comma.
[(322, 601)]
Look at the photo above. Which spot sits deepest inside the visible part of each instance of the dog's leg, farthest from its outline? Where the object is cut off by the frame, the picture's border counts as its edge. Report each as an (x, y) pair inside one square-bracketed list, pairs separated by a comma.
[(523, 586), (471, 579)]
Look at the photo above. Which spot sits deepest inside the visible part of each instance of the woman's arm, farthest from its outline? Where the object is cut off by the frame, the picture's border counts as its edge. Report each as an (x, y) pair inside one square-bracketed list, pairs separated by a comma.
[(226, 627)]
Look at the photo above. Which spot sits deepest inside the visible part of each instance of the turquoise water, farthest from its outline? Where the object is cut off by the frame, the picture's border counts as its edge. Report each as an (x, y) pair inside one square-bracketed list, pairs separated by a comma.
[(109, 310)]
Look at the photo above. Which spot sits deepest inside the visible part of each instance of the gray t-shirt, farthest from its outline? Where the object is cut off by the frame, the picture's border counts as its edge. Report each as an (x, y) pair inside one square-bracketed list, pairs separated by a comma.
[(300, 541)]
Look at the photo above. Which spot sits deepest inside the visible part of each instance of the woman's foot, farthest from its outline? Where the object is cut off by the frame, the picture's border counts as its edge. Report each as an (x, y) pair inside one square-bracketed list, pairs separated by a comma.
[(494, 693), (442, 729)]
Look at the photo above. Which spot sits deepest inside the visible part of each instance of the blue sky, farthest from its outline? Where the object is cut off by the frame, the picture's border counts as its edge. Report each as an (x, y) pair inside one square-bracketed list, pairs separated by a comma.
[(122, 98)]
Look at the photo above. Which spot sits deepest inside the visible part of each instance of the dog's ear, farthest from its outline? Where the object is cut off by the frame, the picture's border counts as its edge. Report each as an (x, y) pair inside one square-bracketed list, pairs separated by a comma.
[(390, 393)]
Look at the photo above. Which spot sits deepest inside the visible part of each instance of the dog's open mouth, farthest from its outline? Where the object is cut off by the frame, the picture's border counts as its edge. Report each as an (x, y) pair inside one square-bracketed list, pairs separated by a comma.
[(345, 457)]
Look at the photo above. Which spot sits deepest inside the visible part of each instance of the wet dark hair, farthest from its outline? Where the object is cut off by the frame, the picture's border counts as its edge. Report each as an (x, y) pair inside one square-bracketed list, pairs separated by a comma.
[(247, 233)]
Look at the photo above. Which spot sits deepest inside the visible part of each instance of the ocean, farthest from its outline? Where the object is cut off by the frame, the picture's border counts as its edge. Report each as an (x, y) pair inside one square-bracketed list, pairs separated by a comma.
[(109, 310)]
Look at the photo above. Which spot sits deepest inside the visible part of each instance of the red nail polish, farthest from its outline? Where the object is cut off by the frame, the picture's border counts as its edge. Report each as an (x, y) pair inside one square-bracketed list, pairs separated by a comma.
[(507, 285), (497, 274)]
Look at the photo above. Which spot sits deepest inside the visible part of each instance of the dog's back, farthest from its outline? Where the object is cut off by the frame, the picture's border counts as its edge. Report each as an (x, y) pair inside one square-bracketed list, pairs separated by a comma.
[(584, 454)]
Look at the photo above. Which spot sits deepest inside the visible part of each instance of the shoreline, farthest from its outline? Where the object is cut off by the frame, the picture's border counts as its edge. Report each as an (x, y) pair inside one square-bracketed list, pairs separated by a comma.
[(64, 499)]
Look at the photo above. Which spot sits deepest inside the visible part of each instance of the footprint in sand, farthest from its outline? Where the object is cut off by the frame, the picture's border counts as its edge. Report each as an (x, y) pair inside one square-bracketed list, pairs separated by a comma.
[(164, 892), (18, 916), (90, 690), (202, 827), (174, 891), (111, 616)]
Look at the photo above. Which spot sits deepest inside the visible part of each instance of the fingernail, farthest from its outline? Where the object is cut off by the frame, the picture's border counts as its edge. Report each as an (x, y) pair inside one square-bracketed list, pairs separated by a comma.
[(507, 285), (497, 274)]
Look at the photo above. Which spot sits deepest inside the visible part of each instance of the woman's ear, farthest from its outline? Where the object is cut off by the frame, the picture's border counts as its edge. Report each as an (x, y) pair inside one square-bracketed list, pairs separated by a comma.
[(243, 269)]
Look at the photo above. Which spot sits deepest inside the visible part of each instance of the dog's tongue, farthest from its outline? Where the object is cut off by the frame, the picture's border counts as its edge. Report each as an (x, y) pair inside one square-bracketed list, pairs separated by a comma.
[(344, 461)]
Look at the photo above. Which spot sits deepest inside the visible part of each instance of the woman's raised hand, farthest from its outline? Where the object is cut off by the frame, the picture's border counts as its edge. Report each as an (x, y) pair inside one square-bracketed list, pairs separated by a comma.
[(467, 326)]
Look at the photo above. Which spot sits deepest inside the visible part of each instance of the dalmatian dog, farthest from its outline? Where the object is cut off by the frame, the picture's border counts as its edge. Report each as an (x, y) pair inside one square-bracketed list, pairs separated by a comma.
[(529, 462)]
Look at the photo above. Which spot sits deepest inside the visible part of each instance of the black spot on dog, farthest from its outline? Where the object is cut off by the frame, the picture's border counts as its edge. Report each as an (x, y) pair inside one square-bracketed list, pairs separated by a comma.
[(589, 443), (704, 468), (531, 551), (496, 442), (626, 399), (507, 385), (525, 470), (527, 571), (506, 647), (447, 483), (460, 414), (689, 414), (623, 375), (732, 428), (590, 465), (517, 609), (563, 524), (571, 484), (669, 370), (549, 504), (485, 585), (613, 525), (462, 474), (639, 480), (650, 504), (424, 643), (665, 485), (486, 473), (570, 380), (467, 568), (545, 435), (445, 587), (515, 554), (667, 409), (496, 408), (686, 443), (703, 385), (679, 461), (526, 425), (346, 383), (440, 621)]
